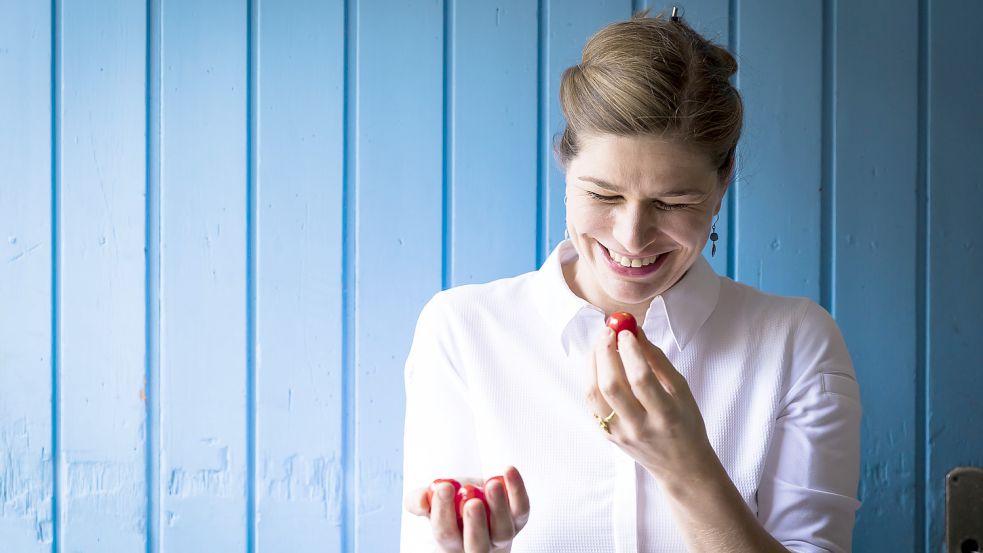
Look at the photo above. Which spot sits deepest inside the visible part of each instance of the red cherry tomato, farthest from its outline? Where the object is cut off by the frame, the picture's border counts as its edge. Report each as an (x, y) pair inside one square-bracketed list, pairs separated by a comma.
[(463, 495), (619, 320), (433, 487)]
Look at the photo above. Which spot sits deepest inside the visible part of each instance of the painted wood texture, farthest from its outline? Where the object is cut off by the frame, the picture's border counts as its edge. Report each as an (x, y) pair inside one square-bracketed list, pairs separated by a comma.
[(99, 233), (219, 221), (26, 292), (298, 156)]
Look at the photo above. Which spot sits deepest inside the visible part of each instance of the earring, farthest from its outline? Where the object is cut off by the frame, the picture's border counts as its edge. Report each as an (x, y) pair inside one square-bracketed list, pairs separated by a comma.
[(713, 238)]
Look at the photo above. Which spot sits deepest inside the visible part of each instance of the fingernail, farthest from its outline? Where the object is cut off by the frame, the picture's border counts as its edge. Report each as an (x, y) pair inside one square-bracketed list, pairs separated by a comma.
[(499, 479), (494, 489), (445, 492)]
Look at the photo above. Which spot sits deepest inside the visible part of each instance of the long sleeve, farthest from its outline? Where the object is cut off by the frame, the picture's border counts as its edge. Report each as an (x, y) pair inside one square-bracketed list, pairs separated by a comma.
[(439, 437), (807, 497)]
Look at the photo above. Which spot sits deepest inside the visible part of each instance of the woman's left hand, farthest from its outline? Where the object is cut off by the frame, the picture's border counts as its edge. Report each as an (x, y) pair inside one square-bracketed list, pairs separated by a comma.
[(658, 422)]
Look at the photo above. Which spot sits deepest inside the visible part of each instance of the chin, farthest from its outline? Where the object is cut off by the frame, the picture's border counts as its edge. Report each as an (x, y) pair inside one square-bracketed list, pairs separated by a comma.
[(630, 294)]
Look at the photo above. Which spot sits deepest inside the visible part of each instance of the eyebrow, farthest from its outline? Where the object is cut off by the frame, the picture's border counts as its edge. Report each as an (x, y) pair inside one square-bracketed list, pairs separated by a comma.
[(669, 193)]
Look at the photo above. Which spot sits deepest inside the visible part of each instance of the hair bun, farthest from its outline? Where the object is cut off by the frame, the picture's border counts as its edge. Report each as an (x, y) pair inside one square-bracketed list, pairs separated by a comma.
[(652, 76)]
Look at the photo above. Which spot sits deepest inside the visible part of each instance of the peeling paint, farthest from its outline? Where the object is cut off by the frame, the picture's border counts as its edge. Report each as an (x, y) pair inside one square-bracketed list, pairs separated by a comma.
[(298, 479), (25, 479), (111, 488), (878, 479), (378, 483), (100, 478), (210, 481)]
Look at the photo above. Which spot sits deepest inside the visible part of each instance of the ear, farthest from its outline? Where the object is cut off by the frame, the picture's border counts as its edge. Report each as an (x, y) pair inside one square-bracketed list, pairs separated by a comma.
[(726, 176), (720, 200)]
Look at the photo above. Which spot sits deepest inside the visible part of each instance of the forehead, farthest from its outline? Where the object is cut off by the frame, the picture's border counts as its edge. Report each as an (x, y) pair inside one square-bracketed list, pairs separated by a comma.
[(642, 160)]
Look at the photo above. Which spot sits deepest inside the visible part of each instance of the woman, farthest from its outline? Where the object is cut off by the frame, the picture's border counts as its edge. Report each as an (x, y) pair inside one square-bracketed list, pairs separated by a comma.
[(730, 423)]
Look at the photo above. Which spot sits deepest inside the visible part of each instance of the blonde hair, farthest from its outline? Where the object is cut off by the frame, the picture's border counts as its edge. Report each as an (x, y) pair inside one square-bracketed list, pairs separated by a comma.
[(653, 76)]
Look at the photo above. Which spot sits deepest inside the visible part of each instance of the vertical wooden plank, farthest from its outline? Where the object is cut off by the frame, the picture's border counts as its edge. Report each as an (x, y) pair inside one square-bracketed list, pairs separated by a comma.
[(397, 176), (875, 235), (101, 233), (299, 119), (202, 275), (492, 139), (712, 19), (781, 154), (565, 28), (25, 277), (955, 259)]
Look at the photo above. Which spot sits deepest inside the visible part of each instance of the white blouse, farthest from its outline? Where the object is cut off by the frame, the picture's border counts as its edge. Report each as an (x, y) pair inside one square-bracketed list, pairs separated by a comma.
[(495, 377)]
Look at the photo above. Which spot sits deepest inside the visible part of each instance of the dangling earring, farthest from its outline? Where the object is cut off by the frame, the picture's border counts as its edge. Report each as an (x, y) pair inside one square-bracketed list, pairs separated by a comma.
[(713, 238)]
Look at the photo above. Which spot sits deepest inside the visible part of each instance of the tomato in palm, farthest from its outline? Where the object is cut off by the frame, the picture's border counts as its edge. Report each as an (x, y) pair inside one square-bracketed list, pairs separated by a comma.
[(466, 493), (433, 487)]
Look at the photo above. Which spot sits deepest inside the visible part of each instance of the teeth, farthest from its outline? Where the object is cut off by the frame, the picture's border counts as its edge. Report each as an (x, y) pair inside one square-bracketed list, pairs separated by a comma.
[(628, 262)]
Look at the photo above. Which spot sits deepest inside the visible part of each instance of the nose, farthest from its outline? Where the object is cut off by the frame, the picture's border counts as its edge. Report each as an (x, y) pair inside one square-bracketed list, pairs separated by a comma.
[(633, 227)]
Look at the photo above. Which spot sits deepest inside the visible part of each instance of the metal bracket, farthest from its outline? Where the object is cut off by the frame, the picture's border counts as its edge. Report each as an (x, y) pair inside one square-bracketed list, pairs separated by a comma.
[(964, 510)]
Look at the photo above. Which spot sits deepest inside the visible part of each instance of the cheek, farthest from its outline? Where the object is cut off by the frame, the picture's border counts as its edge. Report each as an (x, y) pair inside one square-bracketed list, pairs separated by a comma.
[(685, 230), (586, 220)]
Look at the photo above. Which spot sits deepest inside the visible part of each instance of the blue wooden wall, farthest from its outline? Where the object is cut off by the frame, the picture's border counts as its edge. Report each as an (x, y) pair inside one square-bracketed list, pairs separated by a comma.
[(219, 220)]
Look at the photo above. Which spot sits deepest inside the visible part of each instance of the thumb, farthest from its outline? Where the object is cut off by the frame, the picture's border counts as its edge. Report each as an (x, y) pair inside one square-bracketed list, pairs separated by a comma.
[(415, 501)]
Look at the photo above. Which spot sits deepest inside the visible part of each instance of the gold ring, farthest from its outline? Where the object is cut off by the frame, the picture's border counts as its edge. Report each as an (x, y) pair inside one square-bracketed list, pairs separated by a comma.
[(605, 421)]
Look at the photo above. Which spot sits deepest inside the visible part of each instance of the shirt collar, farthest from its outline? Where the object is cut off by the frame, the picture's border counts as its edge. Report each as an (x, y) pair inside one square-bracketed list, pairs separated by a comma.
[(689, 303), (560, 307), (686, 306)]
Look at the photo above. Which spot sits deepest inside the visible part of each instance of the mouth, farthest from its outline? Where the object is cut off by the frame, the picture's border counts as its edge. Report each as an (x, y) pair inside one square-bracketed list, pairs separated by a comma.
[(632, 266)]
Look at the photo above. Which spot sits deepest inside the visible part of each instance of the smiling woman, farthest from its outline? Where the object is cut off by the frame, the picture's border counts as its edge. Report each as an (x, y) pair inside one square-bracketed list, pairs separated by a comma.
[(730, 423), (637, 238)]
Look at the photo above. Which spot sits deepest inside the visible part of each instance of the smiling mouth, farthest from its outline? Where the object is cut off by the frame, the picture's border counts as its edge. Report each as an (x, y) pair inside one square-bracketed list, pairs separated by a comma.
[(630, 262)]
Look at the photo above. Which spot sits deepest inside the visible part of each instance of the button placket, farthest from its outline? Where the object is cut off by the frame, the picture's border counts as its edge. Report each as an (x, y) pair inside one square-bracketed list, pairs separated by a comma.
[(624, 514)]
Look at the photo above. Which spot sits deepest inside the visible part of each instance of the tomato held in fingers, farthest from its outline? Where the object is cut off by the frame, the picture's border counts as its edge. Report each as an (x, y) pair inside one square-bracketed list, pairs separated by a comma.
[(619, 320), (466, 493), (433, 488)]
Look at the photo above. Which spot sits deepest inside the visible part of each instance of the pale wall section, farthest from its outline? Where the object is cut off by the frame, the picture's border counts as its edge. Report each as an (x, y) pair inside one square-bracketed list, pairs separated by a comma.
[(26, 476), (99, 271), (203, 214), (298, 154), (220, 220)]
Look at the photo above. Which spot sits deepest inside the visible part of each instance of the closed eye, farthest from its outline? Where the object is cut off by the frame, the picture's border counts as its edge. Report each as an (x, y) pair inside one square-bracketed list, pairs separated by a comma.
[(670, 207), (600, 198), (659, 205)]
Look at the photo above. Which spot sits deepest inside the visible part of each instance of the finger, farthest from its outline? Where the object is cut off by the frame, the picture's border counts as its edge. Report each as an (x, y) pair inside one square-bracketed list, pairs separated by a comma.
[(644, 383), (416, 502), (613, 382), (518, 497), (595, 401), (671, 380), (443, 518), (475, 527), (502, 527)]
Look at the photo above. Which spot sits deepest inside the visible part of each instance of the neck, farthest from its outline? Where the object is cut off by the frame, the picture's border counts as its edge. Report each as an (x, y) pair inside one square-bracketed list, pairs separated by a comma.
[(585, 288)]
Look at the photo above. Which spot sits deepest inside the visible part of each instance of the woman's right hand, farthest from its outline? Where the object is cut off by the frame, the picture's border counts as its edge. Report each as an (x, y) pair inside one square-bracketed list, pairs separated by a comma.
[(509, 507)]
